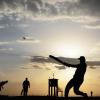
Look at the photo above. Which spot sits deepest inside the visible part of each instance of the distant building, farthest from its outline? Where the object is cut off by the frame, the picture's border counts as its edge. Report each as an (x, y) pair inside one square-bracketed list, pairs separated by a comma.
[(53, 88)]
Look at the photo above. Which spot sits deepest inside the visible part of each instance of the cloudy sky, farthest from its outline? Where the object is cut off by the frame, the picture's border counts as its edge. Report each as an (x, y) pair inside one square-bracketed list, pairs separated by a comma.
[(31, 30)]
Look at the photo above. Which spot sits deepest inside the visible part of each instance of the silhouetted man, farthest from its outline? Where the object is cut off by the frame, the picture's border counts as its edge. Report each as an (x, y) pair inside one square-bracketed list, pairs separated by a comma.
[(78, 77), (26, 85)]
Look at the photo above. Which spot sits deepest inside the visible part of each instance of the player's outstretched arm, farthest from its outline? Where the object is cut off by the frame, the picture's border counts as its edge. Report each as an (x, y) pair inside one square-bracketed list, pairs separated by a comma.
[(64, 63), (60, 61)]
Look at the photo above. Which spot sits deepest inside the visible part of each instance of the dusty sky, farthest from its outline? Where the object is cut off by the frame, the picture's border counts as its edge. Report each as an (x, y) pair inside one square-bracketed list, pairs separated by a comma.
[(30, 30)]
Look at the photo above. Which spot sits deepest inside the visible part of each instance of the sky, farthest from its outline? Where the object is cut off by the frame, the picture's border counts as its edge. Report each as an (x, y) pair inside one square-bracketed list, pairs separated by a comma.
[(31, 30)]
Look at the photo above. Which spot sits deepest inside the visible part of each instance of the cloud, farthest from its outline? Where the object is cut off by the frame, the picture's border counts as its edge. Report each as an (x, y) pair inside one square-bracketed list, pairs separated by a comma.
[(1, 17), (6, 49), (92, 67), (27, 39), (26, 57), (86, 12), (38, 8), (42, 60), (37, 67), (31, 65), (93, 63), (60, 67), (22, 40), (2, 27), (4, 43), (92, 26), (21, 25), (46, 63), (85, 19)]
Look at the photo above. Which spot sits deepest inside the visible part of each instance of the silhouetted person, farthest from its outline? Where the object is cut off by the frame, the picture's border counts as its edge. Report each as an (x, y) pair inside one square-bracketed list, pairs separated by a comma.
[(91, 93), (2, 83), (26, 85), (78, 77)]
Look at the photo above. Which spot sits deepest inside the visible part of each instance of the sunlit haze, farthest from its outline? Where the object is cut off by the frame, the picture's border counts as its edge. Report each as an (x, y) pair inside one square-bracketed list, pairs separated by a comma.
[(31, 30)]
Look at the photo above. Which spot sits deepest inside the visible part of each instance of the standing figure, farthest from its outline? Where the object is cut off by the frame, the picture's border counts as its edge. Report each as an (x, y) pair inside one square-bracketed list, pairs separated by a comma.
[(26, 85), (91, 93)]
